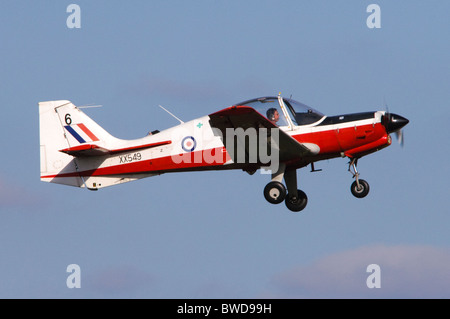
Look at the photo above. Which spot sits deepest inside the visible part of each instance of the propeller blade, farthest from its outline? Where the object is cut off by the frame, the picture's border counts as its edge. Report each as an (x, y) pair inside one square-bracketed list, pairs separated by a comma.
[(400, 137)]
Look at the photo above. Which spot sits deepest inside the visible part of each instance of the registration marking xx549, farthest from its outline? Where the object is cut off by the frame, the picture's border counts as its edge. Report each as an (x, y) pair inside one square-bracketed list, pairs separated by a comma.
[(130, 158)]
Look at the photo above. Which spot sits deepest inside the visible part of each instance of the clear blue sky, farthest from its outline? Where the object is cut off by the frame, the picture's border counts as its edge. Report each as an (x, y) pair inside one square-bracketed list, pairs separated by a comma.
[(212, 234)]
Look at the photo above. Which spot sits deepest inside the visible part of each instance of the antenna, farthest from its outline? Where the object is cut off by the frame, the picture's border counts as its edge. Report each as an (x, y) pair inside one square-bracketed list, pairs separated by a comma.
[(171, 114), (88, 106)]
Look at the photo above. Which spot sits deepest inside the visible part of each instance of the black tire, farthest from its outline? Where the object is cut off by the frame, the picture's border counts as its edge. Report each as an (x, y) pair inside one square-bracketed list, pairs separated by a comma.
[(275, 192), (363, 189), (298, 203)]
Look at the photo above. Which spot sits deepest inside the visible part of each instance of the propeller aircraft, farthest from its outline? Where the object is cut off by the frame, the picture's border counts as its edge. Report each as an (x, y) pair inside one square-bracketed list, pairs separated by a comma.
[(275, 134)]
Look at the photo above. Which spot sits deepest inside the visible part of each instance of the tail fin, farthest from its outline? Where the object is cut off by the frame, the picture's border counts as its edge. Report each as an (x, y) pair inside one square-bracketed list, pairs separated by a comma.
[(63, 126)]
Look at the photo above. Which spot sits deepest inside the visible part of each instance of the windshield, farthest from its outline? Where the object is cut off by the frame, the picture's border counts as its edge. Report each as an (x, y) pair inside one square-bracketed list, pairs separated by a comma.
[(300, 113), (303, 114)]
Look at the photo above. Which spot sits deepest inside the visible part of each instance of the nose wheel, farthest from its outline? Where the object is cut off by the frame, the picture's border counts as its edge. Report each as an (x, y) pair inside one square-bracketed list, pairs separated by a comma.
[(359, 188)]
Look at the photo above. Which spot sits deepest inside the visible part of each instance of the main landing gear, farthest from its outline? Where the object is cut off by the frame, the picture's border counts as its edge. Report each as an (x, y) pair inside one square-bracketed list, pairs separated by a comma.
[(359, 188), (275, 192), (295, 199)]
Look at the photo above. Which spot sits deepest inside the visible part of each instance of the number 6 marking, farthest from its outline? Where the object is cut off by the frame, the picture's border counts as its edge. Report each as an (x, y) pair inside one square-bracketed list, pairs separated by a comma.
[(68, 119)]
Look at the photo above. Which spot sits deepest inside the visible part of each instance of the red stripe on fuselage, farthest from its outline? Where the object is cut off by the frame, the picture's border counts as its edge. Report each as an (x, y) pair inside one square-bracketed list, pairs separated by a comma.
[(216, 157), (332, 142)]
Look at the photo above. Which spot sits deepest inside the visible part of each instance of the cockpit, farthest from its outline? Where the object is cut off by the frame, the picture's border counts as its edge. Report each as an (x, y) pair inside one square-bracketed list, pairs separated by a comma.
[(282, 111)]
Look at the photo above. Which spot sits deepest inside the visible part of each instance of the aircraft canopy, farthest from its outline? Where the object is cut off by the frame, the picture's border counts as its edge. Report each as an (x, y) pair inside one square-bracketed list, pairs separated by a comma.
[(299, 113)]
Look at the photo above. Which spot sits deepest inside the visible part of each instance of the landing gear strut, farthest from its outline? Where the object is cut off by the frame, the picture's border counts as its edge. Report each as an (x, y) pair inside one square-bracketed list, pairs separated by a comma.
[(359, 188), (275, 192)]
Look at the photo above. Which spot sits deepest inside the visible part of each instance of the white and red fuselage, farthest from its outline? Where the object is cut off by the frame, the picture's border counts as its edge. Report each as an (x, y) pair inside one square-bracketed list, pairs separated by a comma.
[(76, 151)]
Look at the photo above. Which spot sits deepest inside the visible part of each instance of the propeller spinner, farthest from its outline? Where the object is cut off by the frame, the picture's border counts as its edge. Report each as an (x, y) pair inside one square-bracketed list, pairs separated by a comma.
[(393, 124)]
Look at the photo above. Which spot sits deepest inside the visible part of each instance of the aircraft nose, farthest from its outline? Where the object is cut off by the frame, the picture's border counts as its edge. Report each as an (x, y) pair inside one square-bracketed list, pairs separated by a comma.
[(393, 122)]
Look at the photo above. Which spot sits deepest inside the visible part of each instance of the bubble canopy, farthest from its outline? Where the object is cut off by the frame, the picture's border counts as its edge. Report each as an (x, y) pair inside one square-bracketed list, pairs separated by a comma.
[(299, 113)]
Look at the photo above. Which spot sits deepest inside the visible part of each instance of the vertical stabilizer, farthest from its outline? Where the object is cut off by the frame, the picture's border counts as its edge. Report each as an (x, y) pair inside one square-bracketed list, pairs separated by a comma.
[(61, 126), (56, 167)]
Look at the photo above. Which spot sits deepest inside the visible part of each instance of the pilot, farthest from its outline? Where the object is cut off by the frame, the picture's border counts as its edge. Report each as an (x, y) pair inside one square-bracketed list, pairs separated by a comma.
[(273, 115)]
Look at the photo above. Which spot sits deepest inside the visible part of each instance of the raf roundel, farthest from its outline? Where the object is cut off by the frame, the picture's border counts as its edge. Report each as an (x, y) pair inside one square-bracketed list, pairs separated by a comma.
[(188, 143)]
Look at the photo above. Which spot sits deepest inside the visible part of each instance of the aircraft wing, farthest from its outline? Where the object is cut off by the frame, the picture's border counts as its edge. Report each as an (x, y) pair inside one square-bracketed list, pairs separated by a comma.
[(84, 150), (247, 117)]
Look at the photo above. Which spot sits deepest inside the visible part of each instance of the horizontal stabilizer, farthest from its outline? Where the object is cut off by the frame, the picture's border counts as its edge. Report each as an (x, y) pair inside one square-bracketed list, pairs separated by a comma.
[(86, 150)]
